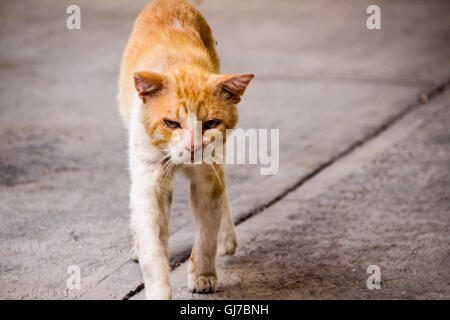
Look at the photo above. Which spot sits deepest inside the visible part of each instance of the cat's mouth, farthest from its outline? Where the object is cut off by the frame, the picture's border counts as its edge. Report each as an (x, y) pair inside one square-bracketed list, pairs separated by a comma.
[(189, 156)]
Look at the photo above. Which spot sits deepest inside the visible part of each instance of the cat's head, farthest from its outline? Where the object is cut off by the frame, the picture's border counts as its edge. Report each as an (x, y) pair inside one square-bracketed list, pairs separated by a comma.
[(184, 109)]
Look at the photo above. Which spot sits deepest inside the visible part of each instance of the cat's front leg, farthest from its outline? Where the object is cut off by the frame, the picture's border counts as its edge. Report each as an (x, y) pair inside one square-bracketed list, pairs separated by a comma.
[(150, 211), (208, 201)]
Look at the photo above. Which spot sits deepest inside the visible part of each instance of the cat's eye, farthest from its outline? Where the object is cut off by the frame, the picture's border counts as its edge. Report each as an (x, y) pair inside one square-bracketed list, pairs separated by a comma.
[(171, 124), (211, 124)]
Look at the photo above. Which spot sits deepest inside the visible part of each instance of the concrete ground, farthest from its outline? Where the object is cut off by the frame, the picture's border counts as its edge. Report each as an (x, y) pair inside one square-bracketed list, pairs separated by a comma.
[(363, 174), (387, 204)]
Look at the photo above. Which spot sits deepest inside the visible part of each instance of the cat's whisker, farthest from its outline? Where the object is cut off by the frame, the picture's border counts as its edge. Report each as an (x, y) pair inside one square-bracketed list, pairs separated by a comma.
[(166, 159), (217, 175), (167, 167)]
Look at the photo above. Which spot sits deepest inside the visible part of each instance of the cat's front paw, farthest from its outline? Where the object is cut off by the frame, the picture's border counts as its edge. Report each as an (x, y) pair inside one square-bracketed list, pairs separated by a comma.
[(227, 245), (203, 283)]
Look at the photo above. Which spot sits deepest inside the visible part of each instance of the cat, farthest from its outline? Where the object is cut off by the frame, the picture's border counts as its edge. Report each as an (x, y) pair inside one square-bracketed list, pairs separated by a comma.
[(169, 80)]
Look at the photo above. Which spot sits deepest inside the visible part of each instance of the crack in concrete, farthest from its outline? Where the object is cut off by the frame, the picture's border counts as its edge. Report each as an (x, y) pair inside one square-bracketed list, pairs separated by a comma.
[(436, 91)]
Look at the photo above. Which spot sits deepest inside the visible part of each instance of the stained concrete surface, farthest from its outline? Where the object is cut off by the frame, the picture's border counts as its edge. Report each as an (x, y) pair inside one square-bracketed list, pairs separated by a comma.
[(391, 210), (322, 78)]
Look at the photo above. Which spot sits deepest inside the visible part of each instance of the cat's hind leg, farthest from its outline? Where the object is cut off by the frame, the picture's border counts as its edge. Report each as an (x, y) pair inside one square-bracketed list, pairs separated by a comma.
[(227, 243)]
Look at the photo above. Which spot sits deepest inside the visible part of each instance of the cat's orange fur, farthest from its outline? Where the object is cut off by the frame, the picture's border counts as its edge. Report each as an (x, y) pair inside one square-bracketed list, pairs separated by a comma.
[(169, 77), (166, 33)]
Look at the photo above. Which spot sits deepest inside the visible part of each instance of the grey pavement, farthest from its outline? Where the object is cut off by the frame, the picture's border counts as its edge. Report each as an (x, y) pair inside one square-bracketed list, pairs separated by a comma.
[(322, 78), (387, 204)]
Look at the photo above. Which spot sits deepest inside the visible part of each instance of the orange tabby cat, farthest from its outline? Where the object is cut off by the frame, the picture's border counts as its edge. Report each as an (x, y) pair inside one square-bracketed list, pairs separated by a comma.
[(169, 83)]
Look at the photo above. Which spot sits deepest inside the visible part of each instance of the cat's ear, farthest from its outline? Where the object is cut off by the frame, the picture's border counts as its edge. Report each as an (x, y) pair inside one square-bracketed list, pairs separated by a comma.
[(148, 83), (232, 87)]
